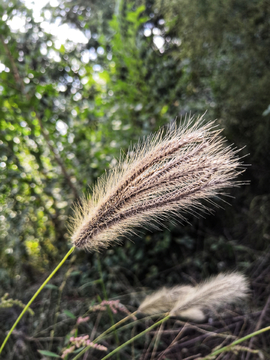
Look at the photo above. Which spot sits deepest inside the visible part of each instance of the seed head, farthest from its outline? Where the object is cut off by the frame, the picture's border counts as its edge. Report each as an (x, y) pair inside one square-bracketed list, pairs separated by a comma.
[(191, 301), (164, 175)]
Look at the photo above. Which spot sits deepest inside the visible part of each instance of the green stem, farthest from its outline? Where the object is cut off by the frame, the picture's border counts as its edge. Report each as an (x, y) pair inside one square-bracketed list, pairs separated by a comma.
[(57, 312), (236, 342), (106, 297), (34, 296), (113, 327), (135, 338), (101, 278)]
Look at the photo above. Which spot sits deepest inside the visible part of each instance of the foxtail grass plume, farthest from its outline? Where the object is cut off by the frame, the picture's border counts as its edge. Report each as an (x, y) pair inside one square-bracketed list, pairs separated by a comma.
[(166, 174), (191, 302)]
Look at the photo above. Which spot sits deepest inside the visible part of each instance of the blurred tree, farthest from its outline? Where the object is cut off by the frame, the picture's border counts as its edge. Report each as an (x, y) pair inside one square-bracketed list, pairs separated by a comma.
[(227, 45), (67, 107)]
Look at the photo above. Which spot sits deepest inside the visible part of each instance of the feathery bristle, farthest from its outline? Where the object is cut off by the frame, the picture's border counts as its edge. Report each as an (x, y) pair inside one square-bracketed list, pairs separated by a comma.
[(167, 173), (163, 300), (191, 302)]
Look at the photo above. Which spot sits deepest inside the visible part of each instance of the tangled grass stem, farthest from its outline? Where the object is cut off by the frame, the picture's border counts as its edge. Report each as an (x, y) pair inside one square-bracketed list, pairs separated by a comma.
[(101, 336), (106, 297), (136, 337), (234, 344), (34, 296)]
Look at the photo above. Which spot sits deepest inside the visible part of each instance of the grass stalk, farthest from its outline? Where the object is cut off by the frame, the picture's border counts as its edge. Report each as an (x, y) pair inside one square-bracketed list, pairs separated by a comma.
[(112, 328), (101, 336), (135, 337), (57, 312), (106, 298), (233, 344), (127, 342), (34, 296)]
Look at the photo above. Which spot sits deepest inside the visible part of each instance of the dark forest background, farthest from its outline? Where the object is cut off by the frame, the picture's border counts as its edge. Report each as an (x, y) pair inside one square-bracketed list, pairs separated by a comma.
[(66, 112)]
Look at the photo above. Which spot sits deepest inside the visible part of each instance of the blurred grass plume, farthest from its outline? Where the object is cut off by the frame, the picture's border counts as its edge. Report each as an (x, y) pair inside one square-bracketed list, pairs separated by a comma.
[(191, 302)]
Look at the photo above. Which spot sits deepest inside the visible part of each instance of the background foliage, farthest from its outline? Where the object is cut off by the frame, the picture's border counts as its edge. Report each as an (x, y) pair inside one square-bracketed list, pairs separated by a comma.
[(67, 108)]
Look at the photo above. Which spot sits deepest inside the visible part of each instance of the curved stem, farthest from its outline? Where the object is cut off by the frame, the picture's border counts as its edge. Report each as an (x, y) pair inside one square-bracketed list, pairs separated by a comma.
[(114, 326), (236, 342), (106, 298), (34, 296), (126, 343), (136, 337), (104, 334)]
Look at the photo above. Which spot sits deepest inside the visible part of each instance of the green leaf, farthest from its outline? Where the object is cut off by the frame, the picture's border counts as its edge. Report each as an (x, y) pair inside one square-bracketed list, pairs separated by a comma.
[(48, 353), (76, 272), (62, 49), (51, 286), (69, 314)]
